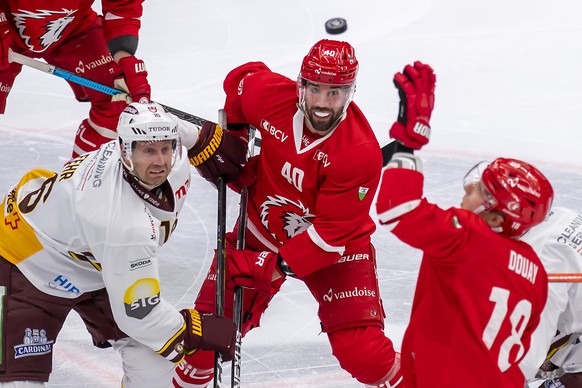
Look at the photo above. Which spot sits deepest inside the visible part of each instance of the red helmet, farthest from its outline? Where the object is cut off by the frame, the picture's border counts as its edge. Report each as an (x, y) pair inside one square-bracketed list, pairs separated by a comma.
[(330, 62), (523, 194)]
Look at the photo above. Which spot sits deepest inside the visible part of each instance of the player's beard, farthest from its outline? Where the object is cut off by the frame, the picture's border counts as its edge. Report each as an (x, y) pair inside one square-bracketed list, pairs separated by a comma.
[(323, 125)]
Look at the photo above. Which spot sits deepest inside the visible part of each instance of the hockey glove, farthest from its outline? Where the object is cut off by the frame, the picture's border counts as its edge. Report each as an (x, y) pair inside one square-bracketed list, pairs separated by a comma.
[(135, 75), (209, 332), (248, 176), (416, 89), (217, 153), (252, 269), (6, 40)]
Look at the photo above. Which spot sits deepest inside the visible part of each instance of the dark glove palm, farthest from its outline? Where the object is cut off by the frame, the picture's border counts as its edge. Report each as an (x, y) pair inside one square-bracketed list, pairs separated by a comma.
[(209, 332)]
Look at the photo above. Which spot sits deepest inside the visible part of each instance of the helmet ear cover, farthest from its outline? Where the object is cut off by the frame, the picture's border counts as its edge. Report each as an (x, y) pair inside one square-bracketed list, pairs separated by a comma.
[(523, 194)]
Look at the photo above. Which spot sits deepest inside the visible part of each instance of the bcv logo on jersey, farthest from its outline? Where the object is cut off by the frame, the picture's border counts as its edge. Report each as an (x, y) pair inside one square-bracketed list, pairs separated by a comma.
[(320, 155), (271, 130)]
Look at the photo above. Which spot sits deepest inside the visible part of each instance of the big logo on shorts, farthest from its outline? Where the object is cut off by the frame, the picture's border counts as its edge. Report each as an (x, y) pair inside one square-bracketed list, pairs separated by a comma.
[(35, 343), (141, 297), (354, 293)]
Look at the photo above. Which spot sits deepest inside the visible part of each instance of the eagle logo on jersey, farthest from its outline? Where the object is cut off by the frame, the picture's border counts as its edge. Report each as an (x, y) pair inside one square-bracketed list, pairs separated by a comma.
[(284, 218), (42, 28)]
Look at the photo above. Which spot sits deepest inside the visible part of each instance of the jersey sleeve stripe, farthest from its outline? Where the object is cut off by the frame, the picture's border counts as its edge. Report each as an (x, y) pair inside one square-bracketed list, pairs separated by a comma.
[(317, 240), (391, 215)]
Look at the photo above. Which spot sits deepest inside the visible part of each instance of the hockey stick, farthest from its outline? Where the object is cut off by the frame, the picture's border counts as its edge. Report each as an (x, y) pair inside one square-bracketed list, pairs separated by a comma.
[(53, 70), (565, 277), (239, 291), (220, 257)]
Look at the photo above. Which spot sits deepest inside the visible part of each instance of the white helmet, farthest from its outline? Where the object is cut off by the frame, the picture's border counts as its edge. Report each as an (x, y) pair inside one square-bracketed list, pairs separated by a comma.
[(148, 123)]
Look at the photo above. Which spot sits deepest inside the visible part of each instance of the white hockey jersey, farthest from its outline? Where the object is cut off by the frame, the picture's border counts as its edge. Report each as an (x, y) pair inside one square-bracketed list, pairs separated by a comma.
[(558, 242), (93, 226)]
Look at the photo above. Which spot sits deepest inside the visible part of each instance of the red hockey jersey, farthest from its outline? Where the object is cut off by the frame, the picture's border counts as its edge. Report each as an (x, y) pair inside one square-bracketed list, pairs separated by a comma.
[(44, 24), (478, 298), (311, 203)]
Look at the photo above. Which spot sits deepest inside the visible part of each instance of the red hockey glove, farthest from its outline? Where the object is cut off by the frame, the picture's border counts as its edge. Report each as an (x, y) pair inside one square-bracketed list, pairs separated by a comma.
[(416, 89), (135, 74), (209, 332), (251, 269), (248, 175), (217, 153), (6, 40)]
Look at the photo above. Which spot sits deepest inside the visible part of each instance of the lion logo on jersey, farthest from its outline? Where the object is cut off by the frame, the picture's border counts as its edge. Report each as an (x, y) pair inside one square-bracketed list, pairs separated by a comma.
[(284, 218), (42, 28)]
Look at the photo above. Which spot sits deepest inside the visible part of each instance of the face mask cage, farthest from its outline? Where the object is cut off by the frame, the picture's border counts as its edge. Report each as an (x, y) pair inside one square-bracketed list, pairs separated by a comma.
[(473, 181)]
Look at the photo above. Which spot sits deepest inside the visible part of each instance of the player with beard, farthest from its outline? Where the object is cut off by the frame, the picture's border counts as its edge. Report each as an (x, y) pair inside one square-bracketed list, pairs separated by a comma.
[(308, 210), (69, 34)]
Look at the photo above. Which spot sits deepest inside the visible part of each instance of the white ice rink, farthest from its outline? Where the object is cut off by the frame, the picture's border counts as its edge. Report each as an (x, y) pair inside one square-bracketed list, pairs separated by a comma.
[(509, 84)]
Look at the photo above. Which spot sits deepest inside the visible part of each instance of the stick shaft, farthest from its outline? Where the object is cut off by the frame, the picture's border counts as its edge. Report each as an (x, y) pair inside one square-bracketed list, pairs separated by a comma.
[(565, 277), (220, 257), (71, 77), (239, 291)]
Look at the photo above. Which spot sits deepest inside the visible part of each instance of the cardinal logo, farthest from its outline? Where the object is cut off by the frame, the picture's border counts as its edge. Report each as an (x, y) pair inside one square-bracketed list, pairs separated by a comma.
[(284, 218), (41, 28)]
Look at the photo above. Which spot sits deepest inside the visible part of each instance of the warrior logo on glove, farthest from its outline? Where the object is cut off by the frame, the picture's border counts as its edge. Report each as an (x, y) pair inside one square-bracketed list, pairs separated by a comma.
[(217, 153)]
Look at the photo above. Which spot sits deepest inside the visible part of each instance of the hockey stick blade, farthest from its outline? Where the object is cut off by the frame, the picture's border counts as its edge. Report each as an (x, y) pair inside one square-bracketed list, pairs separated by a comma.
[(53, 70)]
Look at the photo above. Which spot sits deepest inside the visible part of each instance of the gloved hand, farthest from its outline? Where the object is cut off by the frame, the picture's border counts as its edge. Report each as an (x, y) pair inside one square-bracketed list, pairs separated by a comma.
[(247, 177), (135, 76), (209, 332), (252, 269), (6, 41), (217, 153), (416, 89)]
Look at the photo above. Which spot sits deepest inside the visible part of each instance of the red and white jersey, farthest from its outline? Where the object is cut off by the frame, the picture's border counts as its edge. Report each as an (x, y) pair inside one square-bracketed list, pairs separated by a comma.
[(558, 242), (312, 198), (478, 297), (44, 24), (92, 226)]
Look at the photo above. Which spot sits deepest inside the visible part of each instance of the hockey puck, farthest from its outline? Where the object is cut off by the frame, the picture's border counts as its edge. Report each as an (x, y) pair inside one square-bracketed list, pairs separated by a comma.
[(336, 26)]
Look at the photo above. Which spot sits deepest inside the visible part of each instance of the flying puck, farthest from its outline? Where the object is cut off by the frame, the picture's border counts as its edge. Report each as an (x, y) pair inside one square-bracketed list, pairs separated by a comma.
[(336, 26)]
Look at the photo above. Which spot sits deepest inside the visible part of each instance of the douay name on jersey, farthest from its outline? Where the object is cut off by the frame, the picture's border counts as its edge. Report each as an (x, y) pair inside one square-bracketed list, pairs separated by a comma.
[(522, 266)]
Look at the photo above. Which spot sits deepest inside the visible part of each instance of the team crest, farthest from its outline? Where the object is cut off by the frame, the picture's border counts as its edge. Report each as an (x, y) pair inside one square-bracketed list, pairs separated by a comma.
[(41, 28), (362, 191), (285, 218)]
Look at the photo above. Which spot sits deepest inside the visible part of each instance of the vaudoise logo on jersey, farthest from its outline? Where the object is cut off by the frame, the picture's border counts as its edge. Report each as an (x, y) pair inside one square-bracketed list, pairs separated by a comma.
[(284, 218), (41, 28)]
